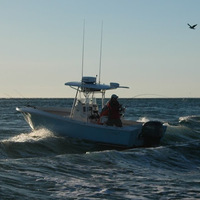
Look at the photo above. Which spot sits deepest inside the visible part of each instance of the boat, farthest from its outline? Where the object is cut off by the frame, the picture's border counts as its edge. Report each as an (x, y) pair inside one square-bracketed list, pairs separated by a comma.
[(82, 121)]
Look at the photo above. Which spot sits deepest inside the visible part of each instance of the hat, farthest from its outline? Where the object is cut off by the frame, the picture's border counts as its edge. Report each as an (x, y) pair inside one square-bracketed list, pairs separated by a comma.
[(114, 96)]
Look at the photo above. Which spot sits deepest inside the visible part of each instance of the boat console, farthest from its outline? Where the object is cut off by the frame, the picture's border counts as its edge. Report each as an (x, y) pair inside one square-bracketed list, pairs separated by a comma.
[(84, 111)]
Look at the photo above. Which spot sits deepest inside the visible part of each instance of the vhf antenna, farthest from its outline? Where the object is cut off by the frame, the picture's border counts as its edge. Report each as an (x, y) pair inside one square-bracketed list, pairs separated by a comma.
[(83, 47), (100, 51)]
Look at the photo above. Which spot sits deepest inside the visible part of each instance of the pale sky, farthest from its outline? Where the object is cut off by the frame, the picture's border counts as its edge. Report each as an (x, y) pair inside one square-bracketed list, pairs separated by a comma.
[(147, 45)]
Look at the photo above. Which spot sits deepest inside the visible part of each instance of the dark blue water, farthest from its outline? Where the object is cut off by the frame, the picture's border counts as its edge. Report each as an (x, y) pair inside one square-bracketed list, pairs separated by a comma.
[(41, 165)]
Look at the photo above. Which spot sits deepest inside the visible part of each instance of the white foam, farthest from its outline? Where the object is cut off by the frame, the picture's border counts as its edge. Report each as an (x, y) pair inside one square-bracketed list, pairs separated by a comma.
[(143, 119), (30, 137), (190, 118)]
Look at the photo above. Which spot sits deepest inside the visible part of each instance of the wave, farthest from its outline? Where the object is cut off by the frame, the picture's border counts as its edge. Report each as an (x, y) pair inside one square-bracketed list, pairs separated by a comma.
[(180, 157), (30, 137), (176, 134), (41, 143), (190, 119)]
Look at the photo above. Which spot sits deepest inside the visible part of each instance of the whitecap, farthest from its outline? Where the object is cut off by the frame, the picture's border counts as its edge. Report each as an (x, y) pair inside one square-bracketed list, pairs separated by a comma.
[(30, 137)]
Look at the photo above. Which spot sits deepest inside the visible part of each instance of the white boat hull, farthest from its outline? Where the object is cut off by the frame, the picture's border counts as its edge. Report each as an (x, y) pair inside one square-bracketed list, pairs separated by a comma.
[(126, 136)]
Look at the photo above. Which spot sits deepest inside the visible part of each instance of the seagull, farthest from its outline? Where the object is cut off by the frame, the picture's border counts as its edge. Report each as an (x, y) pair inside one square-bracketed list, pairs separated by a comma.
[(192, 27)]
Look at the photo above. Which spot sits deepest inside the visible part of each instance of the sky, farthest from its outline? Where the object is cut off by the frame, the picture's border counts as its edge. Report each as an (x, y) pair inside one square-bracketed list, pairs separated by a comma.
[(147, 45)]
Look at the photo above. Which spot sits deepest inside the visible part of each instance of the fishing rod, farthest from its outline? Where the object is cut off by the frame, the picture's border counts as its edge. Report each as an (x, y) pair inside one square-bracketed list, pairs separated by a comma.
[(16, 99), (158, 95)]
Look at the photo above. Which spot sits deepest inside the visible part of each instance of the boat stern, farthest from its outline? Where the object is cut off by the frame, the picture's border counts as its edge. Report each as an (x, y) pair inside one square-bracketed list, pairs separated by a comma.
[(152, 133)]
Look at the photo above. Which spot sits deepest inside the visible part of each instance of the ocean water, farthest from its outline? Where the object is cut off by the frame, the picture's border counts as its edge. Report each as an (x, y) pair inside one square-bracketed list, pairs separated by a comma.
[(41, 165)]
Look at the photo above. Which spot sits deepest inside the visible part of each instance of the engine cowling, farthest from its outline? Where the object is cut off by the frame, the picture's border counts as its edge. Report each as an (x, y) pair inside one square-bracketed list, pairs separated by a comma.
[(152, 132)]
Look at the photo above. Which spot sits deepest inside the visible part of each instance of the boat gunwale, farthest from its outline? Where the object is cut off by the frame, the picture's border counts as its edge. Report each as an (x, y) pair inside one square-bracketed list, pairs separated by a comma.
[(36, 110)]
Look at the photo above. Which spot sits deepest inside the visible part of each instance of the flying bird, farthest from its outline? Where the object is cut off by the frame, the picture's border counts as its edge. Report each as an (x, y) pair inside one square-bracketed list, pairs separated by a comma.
[(192, 26)]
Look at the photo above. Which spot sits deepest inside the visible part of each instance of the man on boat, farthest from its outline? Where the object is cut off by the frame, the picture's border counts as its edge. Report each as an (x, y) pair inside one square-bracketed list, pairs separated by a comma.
[(112, 112)]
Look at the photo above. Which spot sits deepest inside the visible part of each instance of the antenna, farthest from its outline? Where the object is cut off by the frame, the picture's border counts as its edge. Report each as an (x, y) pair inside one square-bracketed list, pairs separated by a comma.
[(100, 51), (83, 47)]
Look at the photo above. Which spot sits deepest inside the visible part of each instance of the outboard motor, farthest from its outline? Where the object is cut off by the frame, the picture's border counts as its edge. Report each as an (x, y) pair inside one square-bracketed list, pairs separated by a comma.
[(152, 132)]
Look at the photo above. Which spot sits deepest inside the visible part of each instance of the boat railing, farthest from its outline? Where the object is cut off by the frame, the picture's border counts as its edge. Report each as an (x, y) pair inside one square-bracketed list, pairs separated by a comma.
[(65, 112)]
